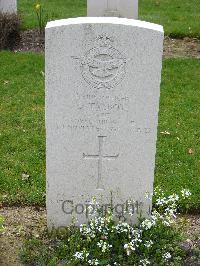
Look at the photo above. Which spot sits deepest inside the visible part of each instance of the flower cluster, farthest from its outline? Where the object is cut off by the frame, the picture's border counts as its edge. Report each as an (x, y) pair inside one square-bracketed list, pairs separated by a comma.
[(144, 262), (185, 193), (108, 240), (136, 239), (106, 236), (167, 256), (81, 255), (129, 248), (111, 240), (103, 245), (93, 262), (122, 228)]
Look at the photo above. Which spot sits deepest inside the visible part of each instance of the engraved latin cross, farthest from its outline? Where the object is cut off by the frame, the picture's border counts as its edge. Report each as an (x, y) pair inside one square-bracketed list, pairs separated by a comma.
[(100, 157)]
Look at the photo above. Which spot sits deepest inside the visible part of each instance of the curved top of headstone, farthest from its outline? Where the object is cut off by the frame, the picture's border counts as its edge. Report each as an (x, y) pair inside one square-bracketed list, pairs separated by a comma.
[(105, 20)]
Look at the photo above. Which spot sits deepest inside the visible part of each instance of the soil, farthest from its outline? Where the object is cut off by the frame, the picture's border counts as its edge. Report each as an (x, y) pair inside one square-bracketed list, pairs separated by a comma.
[(193, 240), (21, 222), (33, 41), (187, 48)]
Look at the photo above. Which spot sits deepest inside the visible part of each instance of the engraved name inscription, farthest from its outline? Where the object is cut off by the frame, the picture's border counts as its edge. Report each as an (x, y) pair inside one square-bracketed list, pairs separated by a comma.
[(102, 103)]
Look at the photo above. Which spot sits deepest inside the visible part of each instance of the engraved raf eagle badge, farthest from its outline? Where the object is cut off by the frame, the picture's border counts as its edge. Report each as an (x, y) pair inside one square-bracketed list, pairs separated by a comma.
[(103, 66)]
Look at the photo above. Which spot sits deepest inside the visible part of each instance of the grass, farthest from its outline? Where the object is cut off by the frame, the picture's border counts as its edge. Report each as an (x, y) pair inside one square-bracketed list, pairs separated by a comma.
[(22, 149), (22, 138), (53, 9), (178, 154), (179, 18)]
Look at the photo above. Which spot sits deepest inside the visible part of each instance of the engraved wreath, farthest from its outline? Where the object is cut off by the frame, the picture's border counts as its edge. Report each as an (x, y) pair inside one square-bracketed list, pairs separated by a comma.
[(103, 66)]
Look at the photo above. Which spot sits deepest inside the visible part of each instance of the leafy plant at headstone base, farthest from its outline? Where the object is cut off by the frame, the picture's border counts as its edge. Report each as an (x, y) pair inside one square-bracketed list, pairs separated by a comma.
[(105, 241), (9, 30)]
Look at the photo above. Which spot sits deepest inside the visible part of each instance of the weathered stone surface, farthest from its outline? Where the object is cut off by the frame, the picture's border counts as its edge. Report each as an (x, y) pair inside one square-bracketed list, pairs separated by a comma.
[(102, 102), (8, 6), (112, 8)]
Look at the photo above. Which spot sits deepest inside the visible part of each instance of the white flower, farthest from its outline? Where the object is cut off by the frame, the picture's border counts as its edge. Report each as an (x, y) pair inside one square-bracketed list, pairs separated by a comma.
[(93, 262), (170, 211), (148, 244), (144, 262), (103, 245), (186, 193), (96, 262), (161, 201), (79, 255), (136, 236), (146, 224), (166, 223), (173, 198), (167, 256), (129, 248), (122, 228)]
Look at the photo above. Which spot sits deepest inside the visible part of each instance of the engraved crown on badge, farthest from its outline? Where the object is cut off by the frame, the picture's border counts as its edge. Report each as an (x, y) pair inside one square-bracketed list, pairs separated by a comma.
[(104, 40)]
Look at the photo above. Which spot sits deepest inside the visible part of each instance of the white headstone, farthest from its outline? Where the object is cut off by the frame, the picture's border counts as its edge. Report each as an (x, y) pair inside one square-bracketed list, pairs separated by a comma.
[(112, 8), (8, 6), (102, 101)]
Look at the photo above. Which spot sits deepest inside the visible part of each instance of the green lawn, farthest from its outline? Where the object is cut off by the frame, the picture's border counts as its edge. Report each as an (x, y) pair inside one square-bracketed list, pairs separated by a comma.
[(52, 9), (22, 137), (179, 17), (178, 154)]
